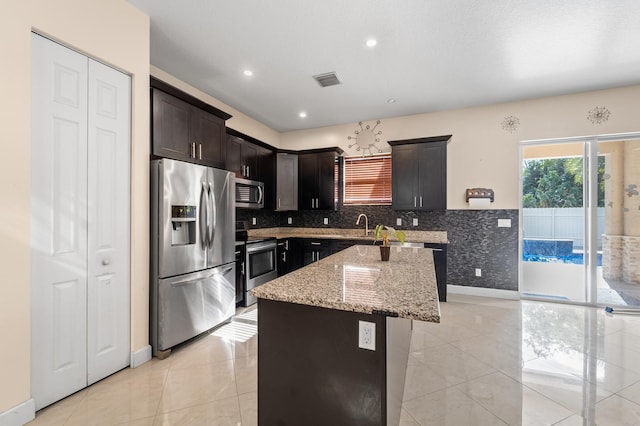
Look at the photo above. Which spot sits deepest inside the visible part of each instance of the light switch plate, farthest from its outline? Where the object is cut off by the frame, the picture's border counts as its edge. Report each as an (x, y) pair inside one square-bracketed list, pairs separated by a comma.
[(415, 221), (399, 221), (289, 220), (504, 223), (326, 221), (367, 335), (478, 272), (253, 221)]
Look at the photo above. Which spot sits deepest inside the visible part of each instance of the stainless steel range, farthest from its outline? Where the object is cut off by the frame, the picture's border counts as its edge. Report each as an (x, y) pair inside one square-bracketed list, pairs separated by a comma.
[(260, 264)]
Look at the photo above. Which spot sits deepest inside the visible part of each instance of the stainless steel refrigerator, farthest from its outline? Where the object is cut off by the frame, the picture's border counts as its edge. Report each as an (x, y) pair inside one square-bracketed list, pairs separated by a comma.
[(192, 286)]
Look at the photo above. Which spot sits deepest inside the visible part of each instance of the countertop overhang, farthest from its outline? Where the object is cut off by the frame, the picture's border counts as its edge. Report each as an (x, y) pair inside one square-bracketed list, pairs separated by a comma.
[(357, 280)]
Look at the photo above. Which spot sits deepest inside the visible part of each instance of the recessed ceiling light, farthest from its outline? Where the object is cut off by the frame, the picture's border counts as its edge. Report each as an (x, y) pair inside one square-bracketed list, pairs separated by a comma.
[(248, 73), (371, 42), (302, 114), (391, 101)]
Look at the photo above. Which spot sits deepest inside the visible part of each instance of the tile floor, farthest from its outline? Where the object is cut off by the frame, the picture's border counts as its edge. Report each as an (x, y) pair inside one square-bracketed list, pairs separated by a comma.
[(489, 362)]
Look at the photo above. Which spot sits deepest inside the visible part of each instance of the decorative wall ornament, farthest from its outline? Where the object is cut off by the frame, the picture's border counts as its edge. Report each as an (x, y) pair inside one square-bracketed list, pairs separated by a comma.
[(510, 123), (631, 190), (366, 138), (598, 115)]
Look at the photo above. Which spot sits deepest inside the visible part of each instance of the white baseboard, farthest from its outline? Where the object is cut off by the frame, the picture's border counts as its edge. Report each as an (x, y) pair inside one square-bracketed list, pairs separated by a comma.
[(481, 291), (140, 356), (19, 415)]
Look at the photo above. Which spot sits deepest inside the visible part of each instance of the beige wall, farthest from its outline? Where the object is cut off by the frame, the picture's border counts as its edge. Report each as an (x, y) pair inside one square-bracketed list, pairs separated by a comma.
[(240, 122), (481, 153), (117, 34)]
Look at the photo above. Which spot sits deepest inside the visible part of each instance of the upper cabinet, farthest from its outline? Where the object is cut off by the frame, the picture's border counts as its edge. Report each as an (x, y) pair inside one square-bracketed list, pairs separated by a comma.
[(242, 158), (419, 173), (317, 181), (185, 128), (286, 182)]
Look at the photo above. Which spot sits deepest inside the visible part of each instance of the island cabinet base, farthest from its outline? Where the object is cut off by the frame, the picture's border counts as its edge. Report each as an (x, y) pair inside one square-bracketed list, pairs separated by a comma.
[(311, 370)]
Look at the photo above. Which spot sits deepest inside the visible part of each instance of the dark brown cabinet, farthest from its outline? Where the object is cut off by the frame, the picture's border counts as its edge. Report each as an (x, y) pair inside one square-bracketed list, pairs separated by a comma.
[(440, 263), (286, 259), (312, 250), (242, 158), (183, 131), (317, 184), (419, 173)]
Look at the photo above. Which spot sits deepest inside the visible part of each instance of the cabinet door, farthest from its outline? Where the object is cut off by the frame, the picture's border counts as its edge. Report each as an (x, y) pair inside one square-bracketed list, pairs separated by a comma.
[(250, 160), (170, 127), (286, 182), (440, 263), (307, 181), (326, 198), (208, 132), (405, 177), (233, 157), (432, 190)]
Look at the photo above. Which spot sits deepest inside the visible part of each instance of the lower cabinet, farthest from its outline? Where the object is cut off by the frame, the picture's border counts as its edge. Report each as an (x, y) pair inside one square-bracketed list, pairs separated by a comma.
[(286, 256), (440, 262), (313, 250)]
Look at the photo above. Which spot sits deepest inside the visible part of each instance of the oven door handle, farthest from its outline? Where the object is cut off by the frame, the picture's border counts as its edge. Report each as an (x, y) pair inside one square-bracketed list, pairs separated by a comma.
[(252, 248)]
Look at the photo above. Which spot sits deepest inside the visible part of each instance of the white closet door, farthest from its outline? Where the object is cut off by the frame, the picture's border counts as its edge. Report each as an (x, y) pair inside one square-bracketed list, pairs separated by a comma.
[(58, 221), (108, 305), (80, 288)]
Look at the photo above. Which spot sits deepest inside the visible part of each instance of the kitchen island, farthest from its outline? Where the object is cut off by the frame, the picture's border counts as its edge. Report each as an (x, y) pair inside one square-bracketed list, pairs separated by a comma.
[(334, 336)]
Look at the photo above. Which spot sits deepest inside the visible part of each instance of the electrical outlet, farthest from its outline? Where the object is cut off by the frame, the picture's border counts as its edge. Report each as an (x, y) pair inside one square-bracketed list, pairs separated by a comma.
[(326, 221), (254, 221), (289, 220), (504, 223), (415, 221), (478, 272), (399, 221), (367, 335)]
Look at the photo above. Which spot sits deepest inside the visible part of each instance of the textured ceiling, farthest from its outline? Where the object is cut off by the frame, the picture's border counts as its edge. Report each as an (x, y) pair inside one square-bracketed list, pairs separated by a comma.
[(431, 54)]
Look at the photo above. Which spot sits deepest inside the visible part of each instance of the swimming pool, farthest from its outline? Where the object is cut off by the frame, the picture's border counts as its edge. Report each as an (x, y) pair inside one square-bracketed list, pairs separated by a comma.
[(573, 258)]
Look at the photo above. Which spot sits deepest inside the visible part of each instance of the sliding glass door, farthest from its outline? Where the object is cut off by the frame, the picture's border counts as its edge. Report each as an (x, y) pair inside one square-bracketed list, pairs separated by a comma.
[(580, 220)]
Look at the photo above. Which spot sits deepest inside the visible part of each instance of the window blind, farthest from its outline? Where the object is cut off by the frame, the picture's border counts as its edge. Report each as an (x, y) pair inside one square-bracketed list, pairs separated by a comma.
[(367, 180)]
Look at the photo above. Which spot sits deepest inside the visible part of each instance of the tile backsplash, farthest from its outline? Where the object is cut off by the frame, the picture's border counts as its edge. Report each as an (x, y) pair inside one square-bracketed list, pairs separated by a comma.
[(475, 240)]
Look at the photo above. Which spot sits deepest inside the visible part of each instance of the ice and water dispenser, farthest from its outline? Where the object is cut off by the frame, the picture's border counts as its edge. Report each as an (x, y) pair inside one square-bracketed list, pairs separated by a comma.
[(183, 225)]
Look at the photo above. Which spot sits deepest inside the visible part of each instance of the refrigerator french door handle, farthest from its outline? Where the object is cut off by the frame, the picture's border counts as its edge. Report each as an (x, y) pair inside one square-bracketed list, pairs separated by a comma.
[(212, 205), (203, 217)]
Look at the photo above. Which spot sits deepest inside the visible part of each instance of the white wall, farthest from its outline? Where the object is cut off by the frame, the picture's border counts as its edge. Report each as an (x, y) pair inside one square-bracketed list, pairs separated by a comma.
[(481, 153), (118, 34)]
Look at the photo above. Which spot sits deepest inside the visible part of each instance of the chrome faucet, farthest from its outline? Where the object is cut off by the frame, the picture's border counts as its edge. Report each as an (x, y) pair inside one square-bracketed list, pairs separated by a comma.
[(366, 223)]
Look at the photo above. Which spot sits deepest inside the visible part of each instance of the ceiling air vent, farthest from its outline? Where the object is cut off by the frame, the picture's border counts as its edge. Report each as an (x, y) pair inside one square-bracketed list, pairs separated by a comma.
[(327, 79)]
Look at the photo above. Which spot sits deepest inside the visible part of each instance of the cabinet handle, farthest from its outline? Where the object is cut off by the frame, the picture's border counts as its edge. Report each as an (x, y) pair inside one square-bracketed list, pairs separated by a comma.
[(315, 244), (278, 202), (317, 203), (248, 171), (199, 151), (193, 150), (312, 203), (415, 201), (421, 201), (242, 268), (286, 245), (284, 256)]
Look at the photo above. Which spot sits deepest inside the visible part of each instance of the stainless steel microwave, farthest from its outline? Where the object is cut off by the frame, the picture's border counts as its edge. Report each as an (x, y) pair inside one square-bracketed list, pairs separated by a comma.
[(249, 194)]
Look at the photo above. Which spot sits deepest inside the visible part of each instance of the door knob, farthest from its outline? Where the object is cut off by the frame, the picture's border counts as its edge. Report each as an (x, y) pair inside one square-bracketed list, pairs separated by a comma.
[(106, 262)]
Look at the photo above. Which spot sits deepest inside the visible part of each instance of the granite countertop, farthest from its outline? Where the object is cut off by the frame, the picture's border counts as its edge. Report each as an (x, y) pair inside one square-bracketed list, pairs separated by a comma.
[(357, 280), (438, 237)]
